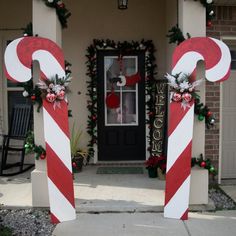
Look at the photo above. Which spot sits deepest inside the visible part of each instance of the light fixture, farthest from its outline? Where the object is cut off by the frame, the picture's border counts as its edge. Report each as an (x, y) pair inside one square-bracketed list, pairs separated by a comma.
[(122, 4)]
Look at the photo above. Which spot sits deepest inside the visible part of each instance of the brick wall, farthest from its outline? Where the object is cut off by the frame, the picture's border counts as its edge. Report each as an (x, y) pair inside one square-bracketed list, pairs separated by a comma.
[(224, 24)]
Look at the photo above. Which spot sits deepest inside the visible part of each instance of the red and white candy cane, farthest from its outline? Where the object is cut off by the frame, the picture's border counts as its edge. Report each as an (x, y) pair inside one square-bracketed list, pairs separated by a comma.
[(19, 56), (216, 56)]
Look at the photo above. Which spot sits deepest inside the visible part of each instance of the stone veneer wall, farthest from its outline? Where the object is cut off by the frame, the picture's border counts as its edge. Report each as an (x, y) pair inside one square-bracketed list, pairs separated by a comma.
[(224, 24)]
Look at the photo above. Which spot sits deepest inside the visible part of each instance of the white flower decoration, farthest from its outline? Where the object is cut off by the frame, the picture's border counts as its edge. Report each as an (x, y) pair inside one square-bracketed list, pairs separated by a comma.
[(184, 85)]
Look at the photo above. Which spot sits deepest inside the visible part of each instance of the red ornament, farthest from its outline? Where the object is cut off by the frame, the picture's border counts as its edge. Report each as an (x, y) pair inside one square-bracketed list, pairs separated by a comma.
[(94, 117), (61, 95), (60, 4), (187, 97), (150, 113), (42, 156), (74, 164), (112, 100), (203, 164), (33, 97), (176, 97), (209, 113), (51, 97), (209, 23)]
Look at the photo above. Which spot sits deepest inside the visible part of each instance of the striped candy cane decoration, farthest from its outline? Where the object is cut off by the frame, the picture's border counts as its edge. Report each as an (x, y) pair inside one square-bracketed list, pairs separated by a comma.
[(216, 56), (19, 56)]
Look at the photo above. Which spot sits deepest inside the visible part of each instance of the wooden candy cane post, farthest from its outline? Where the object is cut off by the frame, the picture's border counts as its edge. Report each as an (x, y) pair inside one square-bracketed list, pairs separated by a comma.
[(216, 56), (19, 56)]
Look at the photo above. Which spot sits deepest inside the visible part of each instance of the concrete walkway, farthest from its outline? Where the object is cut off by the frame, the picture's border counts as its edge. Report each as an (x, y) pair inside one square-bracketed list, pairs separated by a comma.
[(150, 224), (121, 205)]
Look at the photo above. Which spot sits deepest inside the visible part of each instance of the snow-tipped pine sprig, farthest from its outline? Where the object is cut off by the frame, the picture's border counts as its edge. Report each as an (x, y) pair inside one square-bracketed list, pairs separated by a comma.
[(182, 90), (54, 89)]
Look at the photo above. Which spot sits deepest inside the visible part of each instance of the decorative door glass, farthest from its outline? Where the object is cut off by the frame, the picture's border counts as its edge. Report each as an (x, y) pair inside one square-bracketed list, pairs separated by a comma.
[(127, 112)]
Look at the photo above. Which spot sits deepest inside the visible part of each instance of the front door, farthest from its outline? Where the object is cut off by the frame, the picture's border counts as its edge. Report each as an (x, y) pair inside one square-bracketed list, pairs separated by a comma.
[(121, 130)]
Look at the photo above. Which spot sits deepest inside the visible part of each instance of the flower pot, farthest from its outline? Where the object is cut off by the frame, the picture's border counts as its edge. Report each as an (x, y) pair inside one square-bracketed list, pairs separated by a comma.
[(152, 172), (77, 164)]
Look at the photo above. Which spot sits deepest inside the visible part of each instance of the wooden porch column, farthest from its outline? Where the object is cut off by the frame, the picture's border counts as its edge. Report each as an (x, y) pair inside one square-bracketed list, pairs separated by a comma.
[(45, 24)]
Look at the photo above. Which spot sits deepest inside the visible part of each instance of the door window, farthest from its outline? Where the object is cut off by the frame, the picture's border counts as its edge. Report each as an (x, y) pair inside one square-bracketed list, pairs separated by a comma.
[(127, 112)]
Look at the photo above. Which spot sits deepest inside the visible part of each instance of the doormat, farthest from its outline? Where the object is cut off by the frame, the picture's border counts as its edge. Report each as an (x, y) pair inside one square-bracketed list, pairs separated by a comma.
[(119, 170)]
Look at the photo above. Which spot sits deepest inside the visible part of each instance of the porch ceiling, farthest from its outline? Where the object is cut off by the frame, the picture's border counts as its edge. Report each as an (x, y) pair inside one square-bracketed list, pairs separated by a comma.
[(225, 2)]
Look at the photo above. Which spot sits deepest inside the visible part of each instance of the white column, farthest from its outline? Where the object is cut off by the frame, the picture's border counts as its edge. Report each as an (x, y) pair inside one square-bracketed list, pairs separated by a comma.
[(192, 20), (45, 24)]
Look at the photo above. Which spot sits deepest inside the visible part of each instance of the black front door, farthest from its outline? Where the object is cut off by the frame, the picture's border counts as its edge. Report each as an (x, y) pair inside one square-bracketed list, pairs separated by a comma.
[(121, 130)]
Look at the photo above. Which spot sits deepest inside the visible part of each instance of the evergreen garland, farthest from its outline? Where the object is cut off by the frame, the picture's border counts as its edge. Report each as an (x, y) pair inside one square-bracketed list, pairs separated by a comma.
[(122, 47), (176, 35), (31, 147), (206, 164), (33, 93), (203, 112), (208, 4), (28, 30), (62, 12)]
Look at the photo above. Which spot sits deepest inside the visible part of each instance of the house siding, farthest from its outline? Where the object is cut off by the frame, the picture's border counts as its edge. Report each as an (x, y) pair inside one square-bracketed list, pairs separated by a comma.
[(222, 25)]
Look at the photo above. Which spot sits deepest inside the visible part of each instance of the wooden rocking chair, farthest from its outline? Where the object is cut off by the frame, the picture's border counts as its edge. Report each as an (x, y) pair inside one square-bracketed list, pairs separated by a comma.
[(19, 127)]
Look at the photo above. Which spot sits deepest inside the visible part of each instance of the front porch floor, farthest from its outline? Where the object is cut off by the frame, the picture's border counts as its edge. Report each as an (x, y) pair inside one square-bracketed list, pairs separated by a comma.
[(98, 192)]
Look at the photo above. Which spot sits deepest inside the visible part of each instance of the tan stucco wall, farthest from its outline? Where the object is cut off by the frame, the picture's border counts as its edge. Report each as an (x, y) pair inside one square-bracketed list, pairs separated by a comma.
[(171, 20), (103, 20), (15, 13)]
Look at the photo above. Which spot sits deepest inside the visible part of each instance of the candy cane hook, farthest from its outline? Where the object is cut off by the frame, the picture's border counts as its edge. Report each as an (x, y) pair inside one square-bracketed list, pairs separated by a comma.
[(19, 56), (216, 56)]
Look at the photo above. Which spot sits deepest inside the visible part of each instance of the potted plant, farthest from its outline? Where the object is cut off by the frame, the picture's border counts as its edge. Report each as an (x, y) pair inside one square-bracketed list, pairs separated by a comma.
[(161, 167), (156, 166), (151, 166), (77, 154)]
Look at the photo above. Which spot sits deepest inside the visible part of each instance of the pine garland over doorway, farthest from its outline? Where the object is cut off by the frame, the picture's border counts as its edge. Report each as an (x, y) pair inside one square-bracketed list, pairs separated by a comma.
[(122, 47)]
